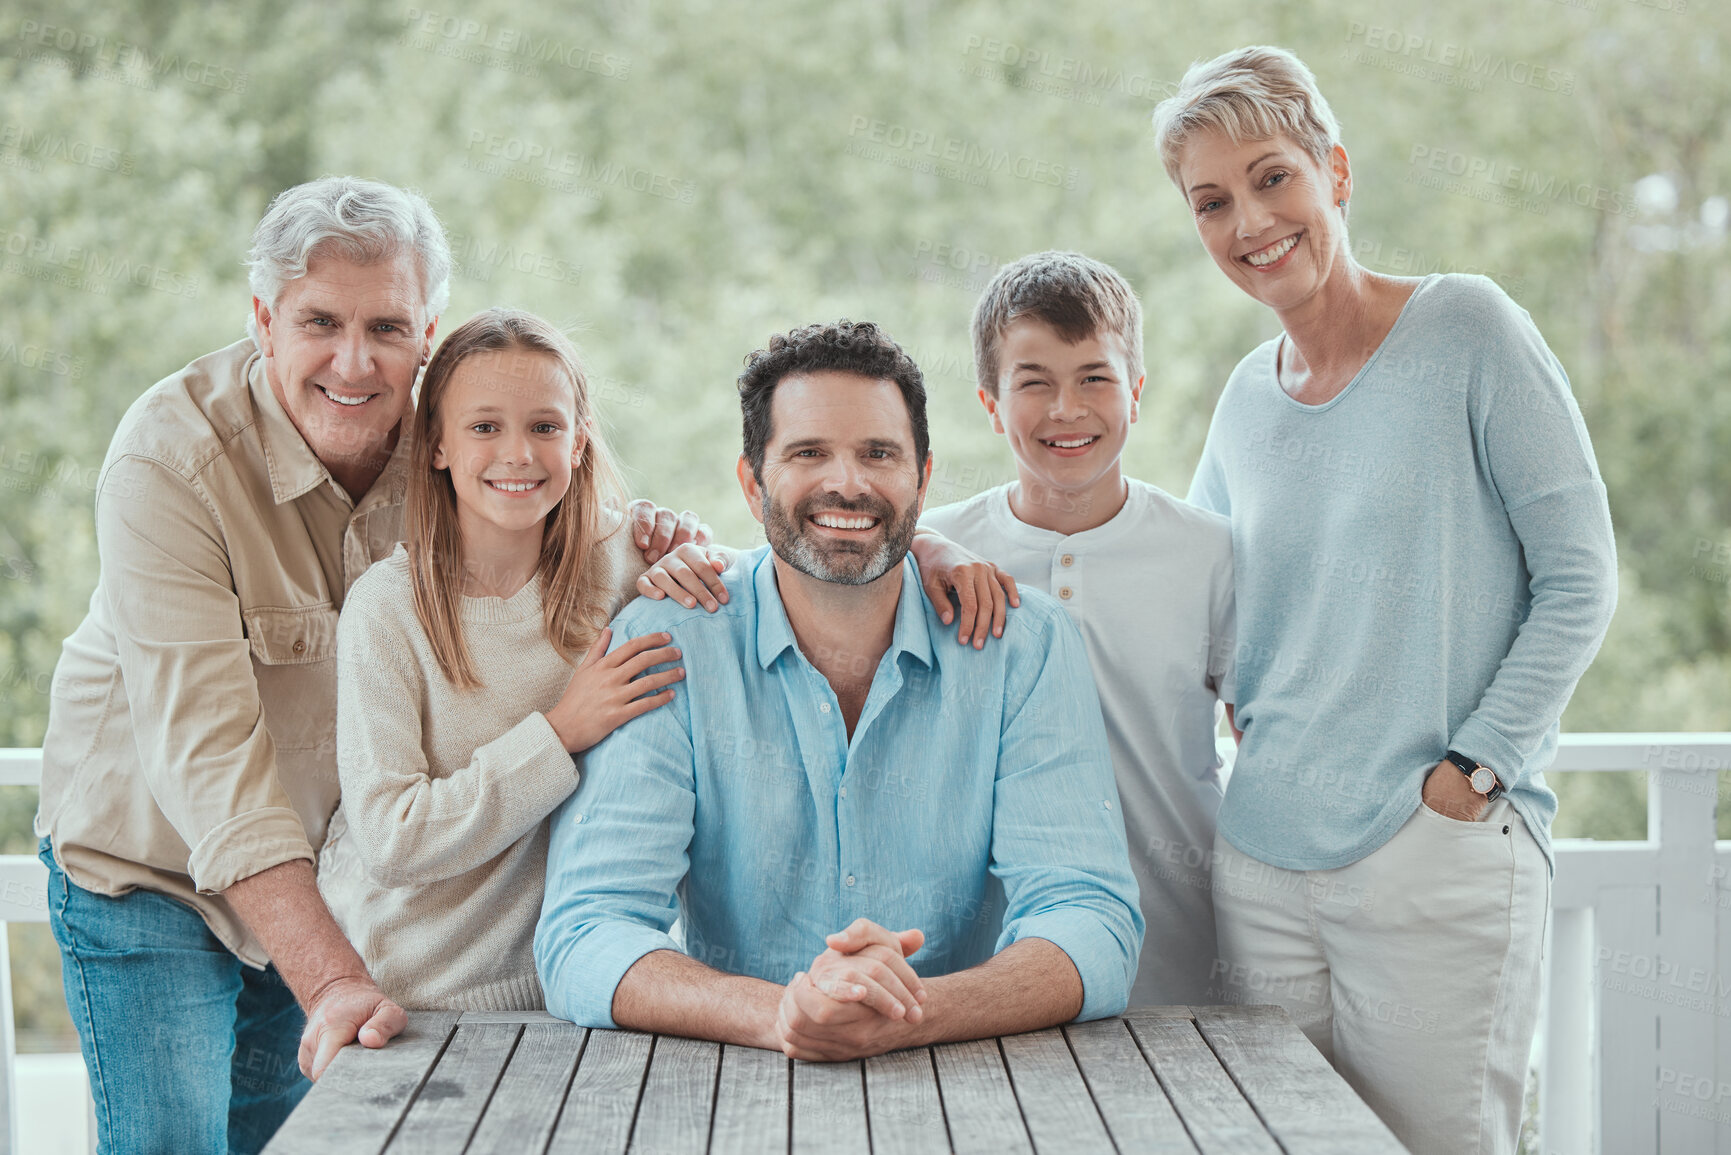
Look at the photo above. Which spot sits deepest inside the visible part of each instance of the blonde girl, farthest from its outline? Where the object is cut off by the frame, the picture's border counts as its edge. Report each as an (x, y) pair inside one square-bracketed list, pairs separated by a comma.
[(461, 697)]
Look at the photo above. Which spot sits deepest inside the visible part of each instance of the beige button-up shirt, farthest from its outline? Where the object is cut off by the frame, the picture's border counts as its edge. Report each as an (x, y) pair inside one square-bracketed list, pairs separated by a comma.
[(192, 730)]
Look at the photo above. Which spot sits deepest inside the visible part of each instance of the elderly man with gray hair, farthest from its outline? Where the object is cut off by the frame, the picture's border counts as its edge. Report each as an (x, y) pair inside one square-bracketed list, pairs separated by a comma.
[(189, 768)]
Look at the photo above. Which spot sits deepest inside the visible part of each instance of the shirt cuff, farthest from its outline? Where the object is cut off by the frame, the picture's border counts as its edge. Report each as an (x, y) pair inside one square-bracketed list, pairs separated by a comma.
[(1484, 745), (595, 962), (246, 844), (1099, 956)]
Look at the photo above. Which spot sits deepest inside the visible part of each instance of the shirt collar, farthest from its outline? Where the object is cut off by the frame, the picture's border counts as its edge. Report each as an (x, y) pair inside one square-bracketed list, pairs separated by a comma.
[(912, 633), (294, 468)]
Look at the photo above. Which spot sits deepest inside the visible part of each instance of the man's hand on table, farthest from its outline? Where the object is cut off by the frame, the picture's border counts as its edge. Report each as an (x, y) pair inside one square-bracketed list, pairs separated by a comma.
[(859, 998), (347, 1011)]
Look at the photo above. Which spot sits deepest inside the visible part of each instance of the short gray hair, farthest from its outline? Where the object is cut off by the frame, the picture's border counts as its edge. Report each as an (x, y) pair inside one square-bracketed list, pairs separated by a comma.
[(1255, 93), (362, 220)]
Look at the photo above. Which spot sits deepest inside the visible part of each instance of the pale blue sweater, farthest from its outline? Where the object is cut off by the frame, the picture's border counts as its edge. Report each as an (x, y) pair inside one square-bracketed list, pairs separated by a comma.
[(1424, 563)]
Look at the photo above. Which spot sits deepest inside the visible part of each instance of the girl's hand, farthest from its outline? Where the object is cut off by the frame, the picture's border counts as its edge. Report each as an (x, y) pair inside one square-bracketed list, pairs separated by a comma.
[(606, 690)]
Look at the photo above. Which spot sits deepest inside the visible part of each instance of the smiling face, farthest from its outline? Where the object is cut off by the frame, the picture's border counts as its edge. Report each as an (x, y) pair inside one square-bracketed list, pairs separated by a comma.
[(841, 490), (1066, 411), (1268, 214), (342, 346), (508, 434)]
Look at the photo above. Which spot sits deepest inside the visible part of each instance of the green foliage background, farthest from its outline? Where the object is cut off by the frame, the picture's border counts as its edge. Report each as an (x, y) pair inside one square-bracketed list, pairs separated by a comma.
[(700, 184)]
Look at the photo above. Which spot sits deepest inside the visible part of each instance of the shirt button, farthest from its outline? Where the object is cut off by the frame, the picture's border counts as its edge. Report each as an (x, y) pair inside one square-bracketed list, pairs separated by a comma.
[(1065, 593), (823, 707), (848, 880), (300, 647), (581, 817), (1068, 559), (844, 791)]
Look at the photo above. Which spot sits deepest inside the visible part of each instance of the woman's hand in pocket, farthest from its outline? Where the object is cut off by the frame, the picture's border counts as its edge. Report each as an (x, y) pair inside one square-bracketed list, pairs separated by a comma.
[(609, 690), (1447, 792)]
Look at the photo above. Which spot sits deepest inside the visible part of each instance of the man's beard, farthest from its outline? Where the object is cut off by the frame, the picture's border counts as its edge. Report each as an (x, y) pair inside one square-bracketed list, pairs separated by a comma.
[(845, 563)]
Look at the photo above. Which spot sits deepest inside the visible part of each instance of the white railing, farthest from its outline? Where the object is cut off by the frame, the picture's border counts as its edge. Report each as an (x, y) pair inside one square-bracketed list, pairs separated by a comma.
[(1636, 1028), (23, 898), (1636, 1050)]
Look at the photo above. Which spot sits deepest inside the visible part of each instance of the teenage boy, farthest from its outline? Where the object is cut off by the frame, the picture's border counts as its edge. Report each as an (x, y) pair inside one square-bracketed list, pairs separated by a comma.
[(1146, 577)]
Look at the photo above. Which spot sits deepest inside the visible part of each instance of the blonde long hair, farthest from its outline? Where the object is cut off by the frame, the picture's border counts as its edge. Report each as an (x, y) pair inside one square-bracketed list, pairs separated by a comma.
[(576, 593)]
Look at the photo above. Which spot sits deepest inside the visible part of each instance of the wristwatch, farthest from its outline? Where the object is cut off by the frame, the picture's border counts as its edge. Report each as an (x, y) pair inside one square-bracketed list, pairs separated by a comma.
[(1480, 777)]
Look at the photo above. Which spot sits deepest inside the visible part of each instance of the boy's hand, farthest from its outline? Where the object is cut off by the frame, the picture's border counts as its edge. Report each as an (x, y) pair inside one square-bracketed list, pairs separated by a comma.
[(981, 588), (657, 529), (604, 692), (689, 574)]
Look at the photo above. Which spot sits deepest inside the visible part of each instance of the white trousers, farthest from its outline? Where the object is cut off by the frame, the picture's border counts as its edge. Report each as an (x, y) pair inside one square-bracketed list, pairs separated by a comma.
[(1414, 970)]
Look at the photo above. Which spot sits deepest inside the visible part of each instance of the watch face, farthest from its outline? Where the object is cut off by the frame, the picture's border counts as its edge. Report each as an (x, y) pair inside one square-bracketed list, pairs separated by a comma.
[(1483, 780)]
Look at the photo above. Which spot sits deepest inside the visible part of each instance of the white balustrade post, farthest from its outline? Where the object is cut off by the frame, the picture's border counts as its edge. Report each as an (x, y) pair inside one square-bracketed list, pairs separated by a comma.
[(1569, 1112)]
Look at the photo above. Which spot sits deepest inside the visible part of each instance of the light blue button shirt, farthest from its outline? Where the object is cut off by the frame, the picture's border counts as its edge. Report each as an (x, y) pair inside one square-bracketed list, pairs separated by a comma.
[(975, 802)]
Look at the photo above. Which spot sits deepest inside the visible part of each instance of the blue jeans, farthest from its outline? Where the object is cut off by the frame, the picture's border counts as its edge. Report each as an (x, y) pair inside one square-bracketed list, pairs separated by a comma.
[(189, 1050)]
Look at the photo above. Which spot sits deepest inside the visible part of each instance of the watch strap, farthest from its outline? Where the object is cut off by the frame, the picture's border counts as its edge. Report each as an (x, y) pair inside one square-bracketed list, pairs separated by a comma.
[(1467, 766)]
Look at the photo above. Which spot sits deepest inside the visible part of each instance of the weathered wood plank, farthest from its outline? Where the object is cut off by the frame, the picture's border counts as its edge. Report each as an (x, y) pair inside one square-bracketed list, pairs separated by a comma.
[(1130, 1099), (1055, 1102), (363, 1093), (1148, 1011), (511, 1017), (978, 1100), (444, 1114), (750, 1102), (829, 1109), (678, 1096), (1220, 1122), (602, 1102), (1303, 1102), (902, 1104), (526, 1104)]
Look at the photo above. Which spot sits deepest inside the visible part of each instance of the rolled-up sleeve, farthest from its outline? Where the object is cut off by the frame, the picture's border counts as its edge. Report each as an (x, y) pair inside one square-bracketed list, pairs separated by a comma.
[(185, 661), (619, 849), (1058, 842)]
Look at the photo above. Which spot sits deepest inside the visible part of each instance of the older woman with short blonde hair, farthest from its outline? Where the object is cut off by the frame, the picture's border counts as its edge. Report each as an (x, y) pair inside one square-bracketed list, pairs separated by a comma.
[(1425, 568)]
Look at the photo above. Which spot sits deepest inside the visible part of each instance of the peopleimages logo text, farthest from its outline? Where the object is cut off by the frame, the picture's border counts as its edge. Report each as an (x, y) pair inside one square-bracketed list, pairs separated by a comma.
[(1515, 178), (1473, 62)]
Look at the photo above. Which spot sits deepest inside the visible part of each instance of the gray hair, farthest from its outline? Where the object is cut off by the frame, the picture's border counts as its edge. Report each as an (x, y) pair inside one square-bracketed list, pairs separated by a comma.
[(362, 220), (1255, 93)]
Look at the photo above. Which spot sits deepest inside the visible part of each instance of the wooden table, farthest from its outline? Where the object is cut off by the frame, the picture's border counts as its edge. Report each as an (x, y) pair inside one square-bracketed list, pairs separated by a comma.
[(1160, 1079)]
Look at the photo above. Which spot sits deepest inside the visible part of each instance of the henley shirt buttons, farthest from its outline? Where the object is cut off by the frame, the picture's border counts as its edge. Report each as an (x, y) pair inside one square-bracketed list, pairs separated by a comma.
[(1064, 593), (848, 880), (1068, 559), (823, 707)]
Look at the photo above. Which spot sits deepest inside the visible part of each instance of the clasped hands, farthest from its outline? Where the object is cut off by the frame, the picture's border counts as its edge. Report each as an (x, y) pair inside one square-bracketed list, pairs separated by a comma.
[(859, 998)]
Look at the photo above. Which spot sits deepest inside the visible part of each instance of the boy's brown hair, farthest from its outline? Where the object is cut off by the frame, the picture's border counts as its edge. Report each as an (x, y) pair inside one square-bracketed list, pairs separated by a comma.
[(1077, 296)]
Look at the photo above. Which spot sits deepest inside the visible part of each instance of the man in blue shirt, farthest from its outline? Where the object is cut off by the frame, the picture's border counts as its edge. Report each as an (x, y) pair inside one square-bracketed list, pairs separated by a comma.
[(827, 771)]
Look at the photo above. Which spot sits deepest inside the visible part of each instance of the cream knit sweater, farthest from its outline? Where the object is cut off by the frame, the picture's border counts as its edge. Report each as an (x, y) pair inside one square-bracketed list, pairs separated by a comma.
[(435, 858)]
